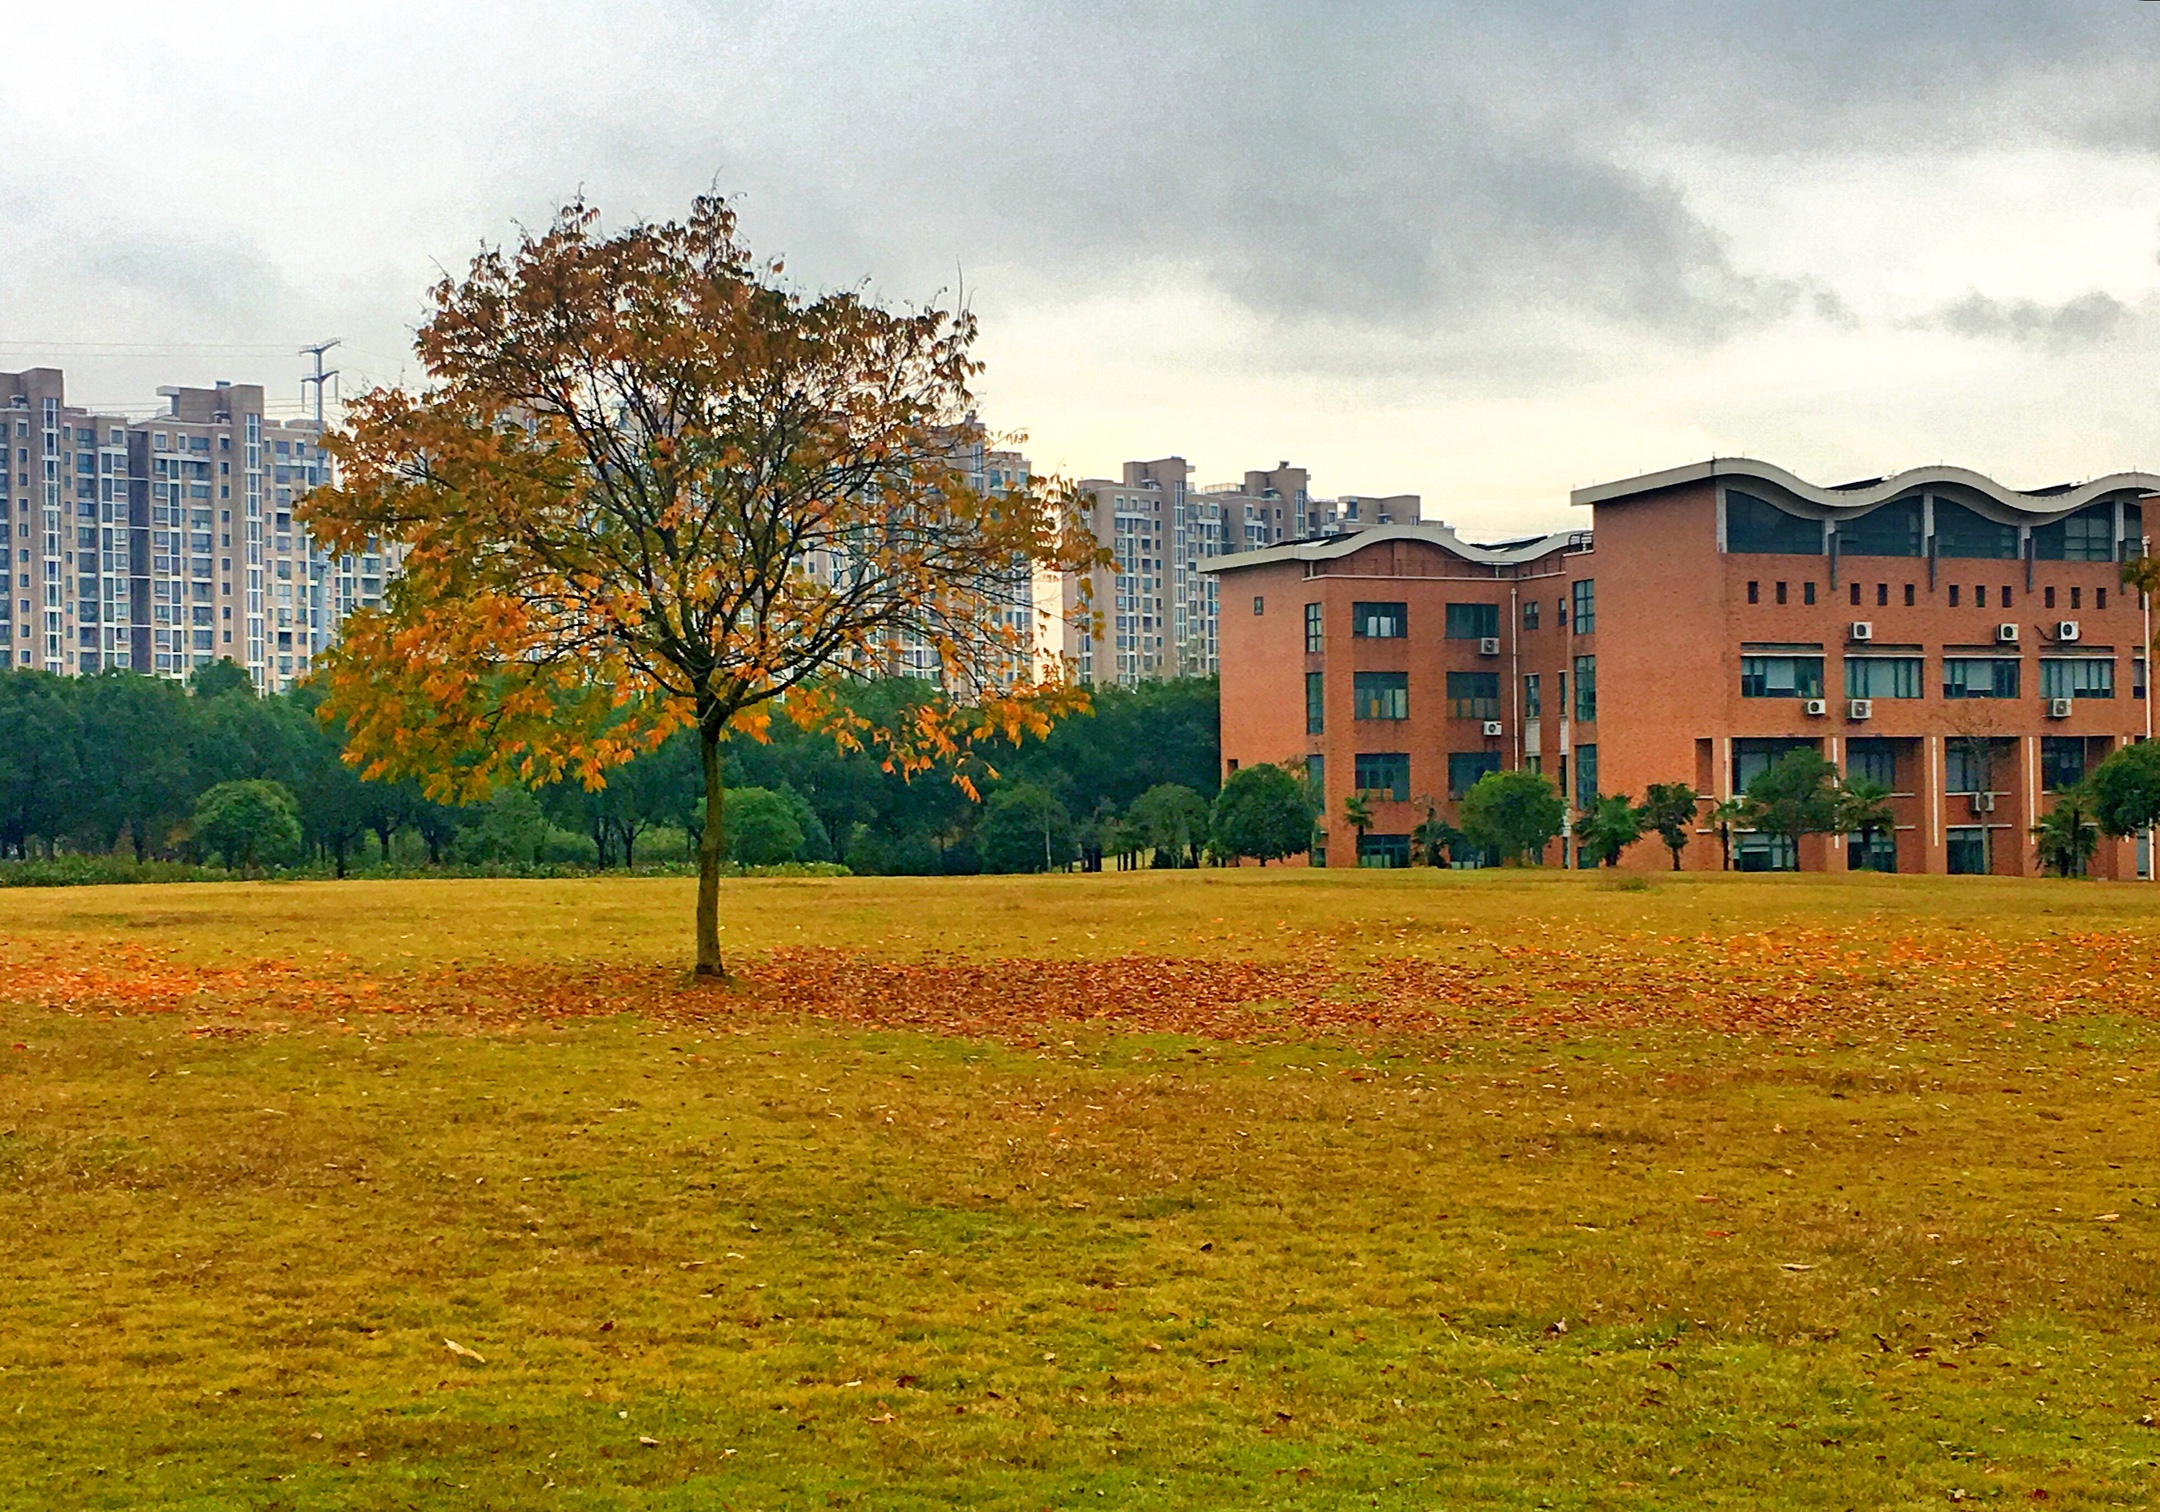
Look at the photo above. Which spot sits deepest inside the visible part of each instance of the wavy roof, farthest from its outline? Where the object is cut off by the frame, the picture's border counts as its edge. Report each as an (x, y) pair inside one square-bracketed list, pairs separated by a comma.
[(1852, 498), (1431, 532)]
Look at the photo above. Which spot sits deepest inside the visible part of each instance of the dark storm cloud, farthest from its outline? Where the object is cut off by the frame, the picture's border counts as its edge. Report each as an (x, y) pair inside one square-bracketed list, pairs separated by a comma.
[(1427, 165)]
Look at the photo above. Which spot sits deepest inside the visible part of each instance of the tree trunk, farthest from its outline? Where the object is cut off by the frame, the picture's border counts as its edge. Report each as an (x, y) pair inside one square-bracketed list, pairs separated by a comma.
[(709, 848)]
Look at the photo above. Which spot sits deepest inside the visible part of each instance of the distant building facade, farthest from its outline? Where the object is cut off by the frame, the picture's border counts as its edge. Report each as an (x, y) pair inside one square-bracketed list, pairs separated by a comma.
[(1156, 605), (165, 544), (1968, 646)]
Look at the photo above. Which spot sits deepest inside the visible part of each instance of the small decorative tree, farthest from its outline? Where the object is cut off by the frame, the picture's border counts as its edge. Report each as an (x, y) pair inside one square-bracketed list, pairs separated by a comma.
[(2124, 790), (1265, 812), (1517, 814), (1171, 820), (1797, 796), (1725, 816), (1611, 826), (2067, 835), (1864, 810), (1357, 813), (1669, 809), (1435, 838)]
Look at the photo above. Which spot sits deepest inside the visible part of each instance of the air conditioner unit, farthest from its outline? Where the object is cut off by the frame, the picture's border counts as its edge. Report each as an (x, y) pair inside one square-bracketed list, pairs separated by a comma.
[(1817, 706), (1983, 803), (1492, 726), (1862, 630), (1860, 708), (1489, 646), (2007, 634), (2058, 708), (2066, 630)]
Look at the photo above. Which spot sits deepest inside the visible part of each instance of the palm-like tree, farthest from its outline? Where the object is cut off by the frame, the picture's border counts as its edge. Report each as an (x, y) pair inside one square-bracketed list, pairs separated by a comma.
[(2067, 835), (1864, 809), (1357, 813), (1733, 811)]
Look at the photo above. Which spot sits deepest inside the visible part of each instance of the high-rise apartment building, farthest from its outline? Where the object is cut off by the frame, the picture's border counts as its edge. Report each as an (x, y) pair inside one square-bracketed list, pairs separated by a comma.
[(1156, 606), (168, 543)]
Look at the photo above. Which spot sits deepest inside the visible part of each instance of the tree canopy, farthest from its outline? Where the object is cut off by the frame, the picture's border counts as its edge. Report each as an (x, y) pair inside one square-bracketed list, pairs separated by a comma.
[(648, 487), (1517, 814)]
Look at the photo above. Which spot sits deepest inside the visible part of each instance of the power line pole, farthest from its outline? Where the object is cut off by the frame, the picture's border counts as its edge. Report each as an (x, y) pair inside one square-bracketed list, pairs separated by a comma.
[(319, 377)]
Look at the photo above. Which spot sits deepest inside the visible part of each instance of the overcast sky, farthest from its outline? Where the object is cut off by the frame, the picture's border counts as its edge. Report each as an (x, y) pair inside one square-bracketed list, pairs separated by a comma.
[(1480, 252)]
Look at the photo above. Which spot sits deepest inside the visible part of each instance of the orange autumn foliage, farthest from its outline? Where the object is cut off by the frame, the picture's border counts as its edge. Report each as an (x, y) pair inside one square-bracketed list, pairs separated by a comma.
[(649, 487)]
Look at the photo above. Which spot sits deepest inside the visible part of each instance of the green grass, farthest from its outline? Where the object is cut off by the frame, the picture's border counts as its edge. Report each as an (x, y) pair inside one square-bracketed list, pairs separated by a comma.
[(1870, 1262)]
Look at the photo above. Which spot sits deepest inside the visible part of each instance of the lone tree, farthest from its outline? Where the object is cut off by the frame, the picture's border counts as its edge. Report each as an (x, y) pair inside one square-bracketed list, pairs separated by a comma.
[(649, 486), (1669, 808), (2067, 836), (2125, 790)]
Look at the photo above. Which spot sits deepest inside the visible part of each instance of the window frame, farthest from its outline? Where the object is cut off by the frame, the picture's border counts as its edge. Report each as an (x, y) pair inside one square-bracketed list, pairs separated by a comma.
[(1371, 690), (1379, 619), (1483, 704)]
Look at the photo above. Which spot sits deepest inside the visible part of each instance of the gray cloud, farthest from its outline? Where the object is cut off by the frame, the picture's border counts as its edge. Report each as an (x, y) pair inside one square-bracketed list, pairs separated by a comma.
[(2080, 322)]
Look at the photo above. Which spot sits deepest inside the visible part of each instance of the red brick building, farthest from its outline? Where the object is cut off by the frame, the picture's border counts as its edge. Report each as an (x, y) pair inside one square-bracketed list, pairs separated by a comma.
[(1966, 644)]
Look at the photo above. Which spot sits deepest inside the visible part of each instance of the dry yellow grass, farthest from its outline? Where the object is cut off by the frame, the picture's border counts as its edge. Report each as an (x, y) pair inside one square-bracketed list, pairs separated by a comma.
[(1804, 1192)]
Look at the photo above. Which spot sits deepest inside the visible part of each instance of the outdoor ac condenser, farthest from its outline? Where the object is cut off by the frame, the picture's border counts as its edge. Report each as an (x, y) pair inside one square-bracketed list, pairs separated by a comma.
[(2006, 634), (1818, 706), (1862, 630), (1488, 645), (1860, 708), (2066, 630), (2058, 708), (1492, 727)]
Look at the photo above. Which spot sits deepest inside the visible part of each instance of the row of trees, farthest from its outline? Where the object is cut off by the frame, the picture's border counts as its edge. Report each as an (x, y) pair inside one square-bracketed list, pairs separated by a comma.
[(122, 762)]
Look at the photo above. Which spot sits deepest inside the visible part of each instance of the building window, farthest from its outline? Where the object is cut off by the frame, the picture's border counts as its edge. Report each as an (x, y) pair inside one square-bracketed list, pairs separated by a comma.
[(1877, 853), (1585, 687), (1259, 604), (1968, 848), (1586, 792), (1758, 852), (1754, 591), (1464, 768), (1980, 677), (1754, 755), (1959, 532), (1473, 695), (2087, 536), (1969, 764), (1872, 761), (1383, 850), (1883, 676), (1312, 630), (1380, 695), (1856, 595), (1807, 592), (1384, 774), (2077, 677), (2099, 598), (1315, 703), (1530, 614), (1781, 593), (1371, 622), (1473, 621), (1781, 677), (1757, 527), (2062, 762), (1891, 530), (1531, 703), (1316, 779), (1585, 594)]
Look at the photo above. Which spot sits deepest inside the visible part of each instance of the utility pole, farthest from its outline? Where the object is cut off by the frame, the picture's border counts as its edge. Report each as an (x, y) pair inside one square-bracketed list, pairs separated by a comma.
[(319, 377)]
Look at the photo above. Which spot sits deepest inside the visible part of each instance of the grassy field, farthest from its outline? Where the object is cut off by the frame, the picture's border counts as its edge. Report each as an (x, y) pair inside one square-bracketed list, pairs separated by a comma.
[(1257, 1189)]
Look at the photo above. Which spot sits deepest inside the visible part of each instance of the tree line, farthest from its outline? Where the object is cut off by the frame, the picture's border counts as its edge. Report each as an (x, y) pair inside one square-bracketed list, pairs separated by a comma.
[(121, 764)]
